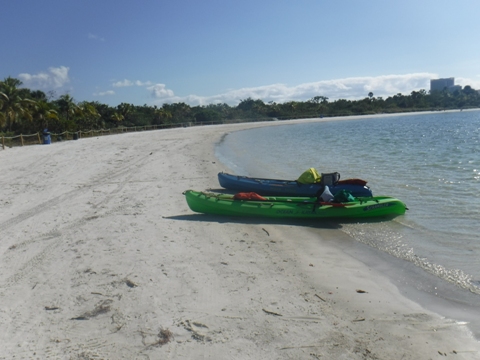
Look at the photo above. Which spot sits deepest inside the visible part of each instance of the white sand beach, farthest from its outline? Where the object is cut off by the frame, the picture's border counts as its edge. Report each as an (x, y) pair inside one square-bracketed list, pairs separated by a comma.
[(100, 258)]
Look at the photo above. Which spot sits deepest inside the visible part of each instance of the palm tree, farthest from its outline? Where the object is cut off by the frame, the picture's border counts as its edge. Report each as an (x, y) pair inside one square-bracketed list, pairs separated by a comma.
[(116, 117), (67, 106), (90, 115), (3, 117), (161, 116), (43, 112), (292, 106), (125, 109), (181, 112), (14, 107)]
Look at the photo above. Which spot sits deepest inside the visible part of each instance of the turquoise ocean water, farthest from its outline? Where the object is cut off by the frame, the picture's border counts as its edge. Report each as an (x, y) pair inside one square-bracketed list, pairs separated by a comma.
[(429, 161)]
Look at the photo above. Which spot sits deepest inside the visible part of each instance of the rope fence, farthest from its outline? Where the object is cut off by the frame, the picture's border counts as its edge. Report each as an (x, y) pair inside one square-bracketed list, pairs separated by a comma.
[(41, 138)]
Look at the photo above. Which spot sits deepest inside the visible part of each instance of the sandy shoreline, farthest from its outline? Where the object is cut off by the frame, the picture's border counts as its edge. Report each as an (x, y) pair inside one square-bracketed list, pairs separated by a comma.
[(100, 257)]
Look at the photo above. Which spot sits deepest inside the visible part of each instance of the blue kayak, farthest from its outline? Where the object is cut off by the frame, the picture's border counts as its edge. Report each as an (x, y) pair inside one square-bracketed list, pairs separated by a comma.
[(356, 187)]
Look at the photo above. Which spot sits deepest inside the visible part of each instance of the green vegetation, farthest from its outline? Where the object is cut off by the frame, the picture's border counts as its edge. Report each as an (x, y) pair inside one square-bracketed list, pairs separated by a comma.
[(23, 111)]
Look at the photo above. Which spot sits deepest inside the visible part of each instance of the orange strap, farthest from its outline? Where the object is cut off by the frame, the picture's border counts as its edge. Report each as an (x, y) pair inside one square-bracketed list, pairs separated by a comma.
[(249, 196)]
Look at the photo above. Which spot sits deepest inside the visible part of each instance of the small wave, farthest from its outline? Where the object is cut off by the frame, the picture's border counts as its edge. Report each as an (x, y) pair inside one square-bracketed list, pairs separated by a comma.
[(383, 238)]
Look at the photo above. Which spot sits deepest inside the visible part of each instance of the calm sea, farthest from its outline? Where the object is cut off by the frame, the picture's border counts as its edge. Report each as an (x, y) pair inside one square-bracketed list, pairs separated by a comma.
[(429, 161)]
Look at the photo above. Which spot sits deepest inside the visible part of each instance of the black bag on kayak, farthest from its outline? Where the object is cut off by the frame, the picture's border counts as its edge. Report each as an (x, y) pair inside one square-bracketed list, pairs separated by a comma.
[(330, 179)]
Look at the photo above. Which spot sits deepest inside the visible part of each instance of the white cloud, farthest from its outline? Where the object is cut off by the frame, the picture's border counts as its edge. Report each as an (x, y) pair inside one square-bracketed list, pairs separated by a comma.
[(122, 83), (353, 88), (348, 88), (104, 93), (55, 78), (159, 91), (146, 83), (125, 83), (95, 37), (474, 83)]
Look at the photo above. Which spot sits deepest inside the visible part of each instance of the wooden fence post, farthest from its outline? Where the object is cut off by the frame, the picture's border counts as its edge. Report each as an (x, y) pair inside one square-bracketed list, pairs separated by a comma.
[(39, 141), (21, 138), (3, 142)]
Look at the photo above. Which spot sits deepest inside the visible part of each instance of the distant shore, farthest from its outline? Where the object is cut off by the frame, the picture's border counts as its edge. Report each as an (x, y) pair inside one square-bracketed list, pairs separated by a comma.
[(37, 138), (101, 257)]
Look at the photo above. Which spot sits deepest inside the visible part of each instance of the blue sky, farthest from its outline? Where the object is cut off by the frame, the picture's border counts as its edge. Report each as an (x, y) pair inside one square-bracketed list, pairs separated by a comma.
[(222, 51)]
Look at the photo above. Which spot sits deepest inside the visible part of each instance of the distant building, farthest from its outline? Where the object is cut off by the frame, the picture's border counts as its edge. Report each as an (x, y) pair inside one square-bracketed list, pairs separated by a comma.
[(440, 84)]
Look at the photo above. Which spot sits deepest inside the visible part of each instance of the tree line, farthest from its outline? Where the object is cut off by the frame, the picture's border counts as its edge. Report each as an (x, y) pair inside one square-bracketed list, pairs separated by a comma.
[(25, 111)]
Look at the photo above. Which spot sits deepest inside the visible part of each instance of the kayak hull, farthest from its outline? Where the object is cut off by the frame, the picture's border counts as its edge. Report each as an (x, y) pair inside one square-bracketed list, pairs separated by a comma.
[(293, 207), (285, 187)]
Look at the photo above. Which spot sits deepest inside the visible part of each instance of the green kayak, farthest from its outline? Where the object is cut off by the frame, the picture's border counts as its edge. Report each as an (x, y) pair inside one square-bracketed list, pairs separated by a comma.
[(292, 207)]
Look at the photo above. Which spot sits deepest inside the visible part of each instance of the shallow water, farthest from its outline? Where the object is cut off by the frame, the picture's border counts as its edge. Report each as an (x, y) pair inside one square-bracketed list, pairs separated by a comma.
[(429, 161)]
